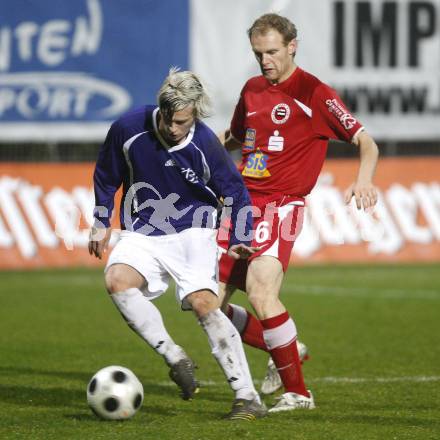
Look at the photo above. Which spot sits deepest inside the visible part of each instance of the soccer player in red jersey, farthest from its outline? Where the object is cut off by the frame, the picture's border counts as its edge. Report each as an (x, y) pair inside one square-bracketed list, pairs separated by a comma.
[(282, 123)]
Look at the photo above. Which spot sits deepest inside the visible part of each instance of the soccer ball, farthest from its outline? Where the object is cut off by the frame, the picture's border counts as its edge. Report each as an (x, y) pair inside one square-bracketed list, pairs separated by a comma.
[(115, 393)]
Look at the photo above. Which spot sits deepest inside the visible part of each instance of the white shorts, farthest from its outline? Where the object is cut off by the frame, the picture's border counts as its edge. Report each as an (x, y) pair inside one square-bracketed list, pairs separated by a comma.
[(189, 257)]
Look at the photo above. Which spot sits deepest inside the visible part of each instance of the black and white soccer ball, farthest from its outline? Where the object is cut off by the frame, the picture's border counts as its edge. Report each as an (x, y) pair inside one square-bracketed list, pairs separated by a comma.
[(115, 393)]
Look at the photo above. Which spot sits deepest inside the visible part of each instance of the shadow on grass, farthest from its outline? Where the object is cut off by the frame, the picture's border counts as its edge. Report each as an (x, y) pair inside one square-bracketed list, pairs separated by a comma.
[(40, 393), (31, 396), (82, 417), (171, 390), (153, 409), (154, 412), (59, 396), (71, 375), (74, 395), (395, 420)]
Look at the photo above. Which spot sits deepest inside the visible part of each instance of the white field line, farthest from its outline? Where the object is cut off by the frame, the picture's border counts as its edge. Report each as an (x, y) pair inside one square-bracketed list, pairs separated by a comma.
[(361, 292), (297, 289), (330, 379)]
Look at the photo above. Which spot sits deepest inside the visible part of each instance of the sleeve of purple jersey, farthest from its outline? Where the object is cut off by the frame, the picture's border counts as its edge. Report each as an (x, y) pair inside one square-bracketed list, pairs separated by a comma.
[(228, 183), (109, 174)]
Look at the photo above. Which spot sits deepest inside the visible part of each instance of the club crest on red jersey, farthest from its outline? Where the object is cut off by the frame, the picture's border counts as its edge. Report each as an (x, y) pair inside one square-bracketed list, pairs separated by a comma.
[(280, 113)]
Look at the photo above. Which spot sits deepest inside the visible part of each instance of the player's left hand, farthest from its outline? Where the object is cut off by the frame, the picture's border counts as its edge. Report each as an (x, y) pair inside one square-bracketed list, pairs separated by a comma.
[(365, 195), (99, 239), (238, 251)]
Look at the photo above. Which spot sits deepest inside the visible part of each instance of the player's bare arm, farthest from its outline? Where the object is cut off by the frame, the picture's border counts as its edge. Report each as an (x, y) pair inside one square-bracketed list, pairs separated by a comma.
[(228, 140), (362, 189), (98, 241)]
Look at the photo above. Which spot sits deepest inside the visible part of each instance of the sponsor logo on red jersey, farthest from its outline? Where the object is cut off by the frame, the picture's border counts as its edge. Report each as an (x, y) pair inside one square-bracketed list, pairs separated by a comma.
[(256, 165), (345, 118), (249, 140), (276, 142)]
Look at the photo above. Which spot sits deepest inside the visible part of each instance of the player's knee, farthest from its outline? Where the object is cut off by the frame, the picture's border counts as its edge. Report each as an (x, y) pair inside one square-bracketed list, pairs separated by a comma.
[(258, 292), (263, 303), (115, 281), (257, 300), (203, 302)]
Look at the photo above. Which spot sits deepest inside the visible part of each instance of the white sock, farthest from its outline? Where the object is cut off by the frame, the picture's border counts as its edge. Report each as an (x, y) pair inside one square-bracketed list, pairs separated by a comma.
[(145, 319), (227, 348)]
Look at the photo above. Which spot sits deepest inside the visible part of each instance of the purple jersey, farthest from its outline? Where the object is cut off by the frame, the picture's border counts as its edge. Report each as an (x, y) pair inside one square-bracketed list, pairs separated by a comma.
[(167, 189)]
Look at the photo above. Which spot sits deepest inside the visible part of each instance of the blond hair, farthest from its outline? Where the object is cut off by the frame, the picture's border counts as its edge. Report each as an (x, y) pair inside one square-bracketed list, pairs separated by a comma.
[(180, 90), (270, 21)]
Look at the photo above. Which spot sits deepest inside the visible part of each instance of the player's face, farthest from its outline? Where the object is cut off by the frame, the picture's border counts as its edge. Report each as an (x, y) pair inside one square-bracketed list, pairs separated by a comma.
[(175, 129), (273, 56)]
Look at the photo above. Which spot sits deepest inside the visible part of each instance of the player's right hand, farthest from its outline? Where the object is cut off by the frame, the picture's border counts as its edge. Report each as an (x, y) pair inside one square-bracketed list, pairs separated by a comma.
[(99, 239), (238, 251)]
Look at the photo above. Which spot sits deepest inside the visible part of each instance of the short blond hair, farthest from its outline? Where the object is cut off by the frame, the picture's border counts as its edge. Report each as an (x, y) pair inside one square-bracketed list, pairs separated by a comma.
[(182, 89), (270, 21)]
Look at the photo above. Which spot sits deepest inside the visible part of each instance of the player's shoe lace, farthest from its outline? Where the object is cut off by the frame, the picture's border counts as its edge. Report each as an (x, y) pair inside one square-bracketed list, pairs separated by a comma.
[(290, 401), (243, 409), (272, 380), (182, 373)]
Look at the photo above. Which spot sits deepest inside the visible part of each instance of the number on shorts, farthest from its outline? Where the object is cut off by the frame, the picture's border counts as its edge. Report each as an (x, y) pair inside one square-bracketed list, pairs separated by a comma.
[(262, 232)]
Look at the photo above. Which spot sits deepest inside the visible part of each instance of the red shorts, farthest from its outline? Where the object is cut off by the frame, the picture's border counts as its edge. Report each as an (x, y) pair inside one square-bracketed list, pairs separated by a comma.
[(277, 224)]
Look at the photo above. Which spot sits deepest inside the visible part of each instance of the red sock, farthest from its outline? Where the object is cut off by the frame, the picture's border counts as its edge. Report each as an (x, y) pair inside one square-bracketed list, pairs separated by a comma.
[(248, 325), (280, 337)]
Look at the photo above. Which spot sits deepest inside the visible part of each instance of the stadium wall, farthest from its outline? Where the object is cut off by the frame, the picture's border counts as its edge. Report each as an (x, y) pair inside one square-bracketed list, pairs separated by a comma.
[(46, 211)]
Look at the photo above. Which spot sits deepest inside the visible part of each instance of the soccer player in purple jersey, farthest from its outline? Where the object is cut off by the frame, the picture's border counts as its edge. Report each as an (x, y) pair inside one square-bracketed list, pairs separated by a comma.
[(173, 171)]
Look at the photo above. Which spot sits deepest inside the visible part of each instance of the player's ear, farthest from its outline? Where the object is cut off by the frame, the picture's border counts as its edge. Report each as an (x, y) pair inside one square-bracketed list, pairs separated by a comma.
[(292, 46)]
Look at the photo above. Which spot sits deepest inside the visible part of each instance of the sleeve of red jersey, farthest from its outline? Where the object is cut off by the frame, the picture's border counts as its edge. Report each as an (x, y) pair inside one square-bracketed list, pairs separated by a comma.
[(237, 124), (330, 117)]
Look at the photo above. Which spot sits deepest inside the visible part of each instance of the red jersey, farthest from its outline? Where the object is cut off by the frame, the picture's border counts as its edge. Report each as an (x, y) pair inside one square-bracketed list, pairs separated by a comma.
[(284, 130)]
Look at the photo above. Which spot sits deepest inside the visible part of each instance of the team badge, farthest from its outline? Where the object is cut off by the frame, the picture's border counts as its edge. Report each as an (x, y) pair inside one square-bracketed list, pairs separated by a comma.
[(276, 142), (280, 113), (256, 166), (249, 140)]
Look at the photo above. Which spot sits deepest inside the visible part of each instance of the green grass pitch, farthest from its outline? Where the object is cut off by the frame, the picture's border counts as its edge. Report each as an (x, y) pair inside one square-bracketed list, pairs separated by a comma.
[(373, 333)]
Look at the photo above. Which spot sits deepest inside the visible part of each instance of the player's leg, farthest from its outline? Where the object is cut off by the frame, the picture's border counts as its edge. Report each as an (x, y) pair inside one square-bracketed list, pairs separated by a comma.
[(197, 287), (125, 277), (247, 325), (251, 332), (272, 381), (123, 284), (232, 274), (250, 329), (264, 280), (277, 216), (279, 228), (228, 350)]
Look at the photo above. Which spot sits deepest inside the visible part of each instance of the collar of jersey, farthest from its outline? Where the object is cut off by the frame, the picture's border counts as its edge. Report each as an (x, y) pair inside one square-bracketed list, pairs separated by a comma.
[(162, 140), (284, 84)]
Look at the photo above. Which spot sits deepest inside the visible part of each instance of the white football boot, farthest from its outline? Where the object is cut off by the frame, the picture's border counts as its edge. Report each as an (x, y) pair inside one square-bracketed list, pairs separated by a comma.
[(290, 401), (272, 381)]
